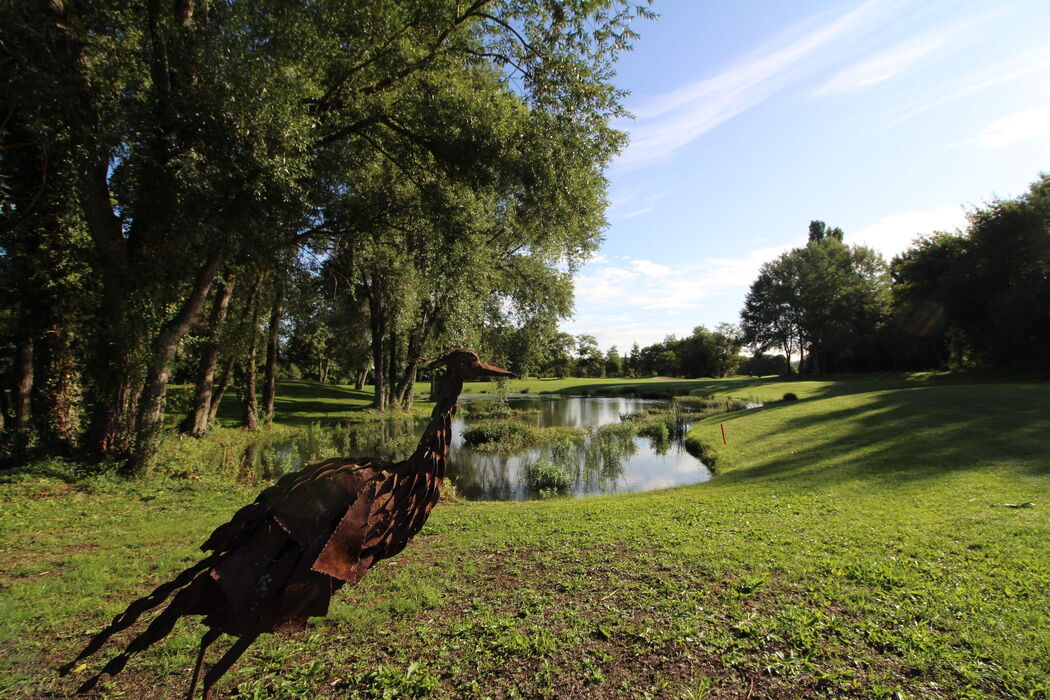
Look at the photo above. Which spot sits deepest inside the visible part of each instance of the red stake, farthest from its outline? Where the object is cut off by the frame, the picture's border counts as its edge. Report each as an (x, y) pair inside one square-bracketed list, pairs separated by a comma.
[(723, 427)]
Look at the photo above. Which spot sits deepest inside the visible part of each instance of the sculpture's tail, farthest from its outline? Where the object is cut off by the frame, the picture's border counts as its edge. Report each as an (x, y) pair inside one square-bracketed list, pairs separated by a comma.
[(186, 586)]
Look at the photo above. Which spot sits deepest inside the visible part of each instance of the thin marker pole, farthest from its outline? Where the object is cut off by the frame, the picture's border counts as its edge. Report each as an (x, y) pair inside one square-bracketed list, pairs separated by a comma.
[(723, 427)]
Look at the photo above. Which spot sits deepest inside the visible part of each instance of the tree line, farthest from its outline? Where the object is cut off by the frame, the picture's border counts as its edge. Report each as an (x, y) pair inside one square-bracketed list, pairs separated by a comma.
[(970, 299), (187, 187)]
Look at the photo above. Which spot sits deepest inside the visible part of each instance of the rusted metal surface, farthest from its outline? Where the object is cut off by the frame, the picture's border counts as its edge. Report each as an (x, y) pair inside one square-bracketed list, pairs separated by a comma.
[(279, 560)]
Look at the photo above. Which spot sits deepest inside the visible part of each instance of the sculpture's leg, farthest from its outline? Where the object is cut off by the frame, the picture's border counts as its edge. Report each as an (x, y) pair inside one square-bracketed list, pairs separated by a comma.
[(228, 659), (210, 636)]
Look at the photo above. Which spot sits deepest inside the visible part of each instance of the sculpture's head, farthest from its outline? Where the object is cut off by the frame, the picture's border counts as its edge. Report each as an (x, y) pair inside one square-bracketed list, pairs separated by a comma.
[(466, 365)]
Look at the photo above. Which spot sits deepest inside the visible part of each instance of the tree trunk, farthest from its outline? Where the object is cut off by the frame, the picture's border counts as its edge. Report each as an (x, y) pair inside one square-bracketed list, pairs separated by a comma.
[(196, 423), (390, 381), (57, 394), (270, 384), (220, 389), (3, 404), (378, 324), (250, 400), (417, 341), (23, 384), (361, 379), (151, 408)]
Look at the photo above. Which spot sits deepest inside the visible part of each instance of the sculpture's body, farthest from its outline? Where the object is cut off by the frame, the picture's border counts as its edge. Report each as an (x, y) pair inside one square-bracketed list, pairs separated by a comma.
[(279, 560)]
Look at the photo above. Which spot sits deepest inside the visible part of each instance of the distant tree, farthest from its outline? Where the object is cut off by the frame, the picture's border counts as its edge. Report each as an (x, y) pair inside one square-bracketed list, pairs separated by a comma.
[(558, 359), (760, 365), (613, 363), (590, 361), (980, 298), (772, 313), (825, 298), (631, 362), (818, 231), (666, 363), (1003, 301), (926, 279)]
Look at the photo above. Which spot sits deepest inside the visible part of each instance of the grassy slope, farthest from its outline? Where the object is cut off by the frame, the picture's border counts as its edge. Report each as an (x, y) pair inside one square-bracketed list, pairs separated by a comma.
[(853, 543)]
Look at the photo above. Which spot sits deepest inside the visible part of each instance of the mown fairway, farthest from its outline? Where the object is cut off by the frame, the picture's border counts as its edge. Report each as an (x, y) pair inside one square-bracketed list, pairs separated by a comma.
[(856, 542)]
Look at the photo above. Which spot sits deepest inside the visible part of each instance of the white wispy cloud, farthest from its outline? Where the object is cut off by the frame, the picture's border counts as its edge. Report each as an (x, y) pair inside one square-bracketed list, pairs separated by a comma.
[(634, 213), (894, 233), (1014, 128), (1029, 64), (678, 118), (890, 62), (646, 286)]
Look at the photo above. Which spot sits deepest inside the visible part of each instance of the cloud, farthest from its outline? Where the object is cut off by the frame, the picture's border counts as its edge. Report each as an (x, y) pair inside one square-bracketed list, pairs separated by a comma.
[(1022, 66), (894, 233), (673, 120), (1015, 128), (646, 286), (633, 213), (638, 300), (888, 63)]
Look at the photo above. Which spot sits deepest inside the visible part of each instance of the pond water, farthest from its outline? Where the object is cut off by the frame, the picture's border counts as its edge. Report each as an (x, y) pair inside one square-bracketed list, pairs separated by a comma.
[(599, 462)]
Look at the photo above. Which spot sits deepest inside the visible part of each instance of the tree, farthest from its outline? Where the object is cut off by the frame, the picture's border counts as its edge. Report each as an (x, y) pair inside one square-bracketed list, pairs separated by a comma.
[(924, 295), (200, 139), (613, 363), (590, 362), (827, 299), (978, 299), (558, 361)]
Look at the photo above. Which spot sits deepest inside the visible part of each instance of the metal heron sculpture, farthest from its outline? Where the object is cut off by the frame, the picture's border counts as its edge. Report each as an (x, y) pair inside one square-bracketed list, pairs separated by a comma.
[(279, 560)]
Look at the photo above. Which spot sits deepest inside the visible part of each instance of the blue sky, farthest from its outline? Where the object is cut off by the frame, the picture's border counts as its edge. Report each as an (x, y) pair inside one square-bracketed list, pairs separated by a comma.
[(887, 118)]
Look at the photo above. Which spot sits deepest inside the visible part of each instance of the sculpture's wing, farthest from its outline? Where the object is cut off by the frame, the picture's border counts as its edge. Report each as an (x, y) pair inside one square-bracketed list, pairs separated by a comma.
[(300, 503), (390, 509)]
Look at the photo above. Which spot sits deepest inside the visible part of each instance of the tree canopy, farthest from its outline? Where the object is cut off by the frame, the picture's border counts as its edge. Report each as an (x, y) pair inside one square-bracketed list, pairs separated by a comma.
[(826, 300), (442, 159)]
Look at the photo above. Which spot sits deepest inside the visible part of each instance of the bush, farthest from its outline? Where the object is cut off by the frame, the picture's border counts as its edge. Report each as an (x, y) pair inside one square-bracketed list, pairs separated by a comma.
[(448, 491), (179, 399), (656, 430), (547, 478), (506, 434), (489, 409), (790, 396)]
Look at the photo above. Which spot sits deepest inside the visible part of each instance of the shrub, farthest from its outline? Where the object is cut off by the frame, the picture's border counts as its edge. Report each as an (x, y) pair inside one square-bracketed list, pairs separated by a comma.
[(448, 491), (489, 409), (790, 396), (179, 399), (547, 478), (656, 430), (502, 433)]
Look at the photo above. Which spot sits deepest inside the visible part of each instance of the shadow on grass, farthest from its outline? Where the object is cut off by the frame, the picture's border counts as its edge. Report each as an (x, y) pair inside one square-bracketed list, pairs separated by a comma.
[(830, 385), (661, 389), (35, 468), (301, 402), (905, 435)]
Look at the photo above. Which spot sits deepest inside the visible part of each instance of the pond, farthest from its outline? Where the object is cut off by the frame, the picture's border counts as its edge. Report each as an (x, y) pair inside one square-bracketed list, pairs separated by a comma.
[(595, 460)]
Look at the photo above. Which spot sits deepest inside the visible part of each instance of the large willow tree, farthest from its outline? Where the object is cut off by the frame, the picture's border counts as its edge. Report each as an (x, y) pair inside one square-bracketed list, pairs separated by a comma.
[(431, 142)]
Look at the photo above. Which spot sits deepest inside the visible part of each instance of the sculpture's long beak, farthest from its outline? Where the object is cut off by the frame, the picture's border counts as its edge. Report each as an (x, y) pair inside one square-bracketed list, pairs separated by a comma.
[(486, 370)]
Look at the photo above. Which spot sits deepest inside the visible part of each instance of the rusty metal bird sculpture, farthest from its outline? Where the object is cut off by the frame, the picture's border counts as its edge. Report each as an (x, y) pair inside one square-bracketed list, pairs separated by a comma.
[(279, 560)]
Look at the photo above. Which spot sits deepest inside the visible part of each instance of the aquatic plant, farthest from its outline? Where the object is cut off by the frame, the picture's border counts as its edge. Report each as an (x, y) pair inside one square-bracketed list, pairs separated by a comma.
[(543, 476)]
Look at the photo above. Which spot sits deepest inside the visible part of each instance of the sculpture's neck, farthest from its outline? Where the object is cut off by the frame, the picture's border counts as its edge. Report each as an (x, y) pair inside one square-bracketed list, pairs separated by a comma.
[(433, 446)]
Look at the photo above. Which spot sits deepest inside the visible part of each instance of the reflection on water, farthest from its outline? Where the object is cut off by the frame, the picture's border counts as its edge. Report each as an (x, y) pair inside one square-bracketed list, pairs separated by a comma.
[(605, 460)]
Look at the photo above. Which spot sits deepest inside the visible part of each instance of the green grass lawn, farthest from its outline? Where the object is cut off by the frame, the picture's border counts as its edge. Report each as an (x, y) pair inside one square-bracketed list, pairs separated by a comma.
[(858, 542)]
